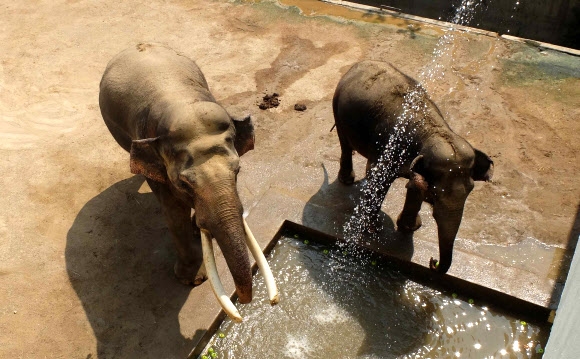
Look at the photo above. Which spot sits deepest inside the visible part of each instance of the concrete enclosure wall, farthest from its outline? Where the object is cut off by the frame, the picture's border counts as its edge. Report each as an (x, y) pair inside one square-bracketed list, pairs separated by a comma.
[(556, 21)]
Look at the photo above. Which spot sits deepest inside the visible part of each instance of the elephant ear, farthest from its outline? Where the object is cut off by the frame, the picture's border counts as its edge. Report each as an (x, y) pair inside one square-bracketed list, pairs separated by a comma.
[(417, 178), (482, 167), (244, 141), (145, 160)]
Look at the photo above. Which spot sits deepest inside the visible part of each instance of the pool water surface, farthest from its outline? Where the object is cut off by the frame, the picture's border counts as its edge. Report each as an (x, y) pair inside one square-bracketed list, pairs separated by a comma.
[(339, 304)]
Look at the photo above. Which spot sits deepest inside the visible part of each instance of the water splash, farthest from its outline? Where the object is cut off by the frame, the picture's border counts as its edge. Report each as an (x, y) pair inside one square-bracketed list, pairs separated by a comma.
[(394, 155), (514, 9), (442, 54), (396, 152)]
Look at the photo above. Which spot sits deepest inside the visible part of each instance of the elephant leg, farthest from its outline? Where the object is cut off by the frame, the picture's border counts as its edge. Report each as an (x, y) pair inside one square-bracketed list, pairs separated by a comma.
[(368, 167), (346, 172), (409, 219), (186, 237)]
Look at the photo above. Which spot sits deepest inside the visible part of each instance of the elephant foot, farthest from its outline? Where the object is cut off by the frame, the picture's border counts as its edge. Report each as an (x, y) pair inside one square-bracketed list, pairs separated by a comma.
[(408, 226), (436, 266), (433, 264), (346, 177), (190, 275)]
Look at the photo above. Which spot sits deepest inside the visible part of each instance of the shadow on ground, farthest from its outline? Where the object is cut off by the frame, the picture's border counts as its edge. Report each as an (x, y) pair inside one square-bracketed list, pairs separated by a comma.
[(329, 209), (119, 259)]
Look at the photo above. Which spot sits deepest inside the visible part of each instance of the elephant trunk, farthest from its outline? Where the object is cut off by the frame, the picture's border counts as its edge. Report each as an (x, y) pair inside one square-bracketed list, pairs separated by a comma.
[(218, 213), (448, 221), (231, 237), (222, 218)]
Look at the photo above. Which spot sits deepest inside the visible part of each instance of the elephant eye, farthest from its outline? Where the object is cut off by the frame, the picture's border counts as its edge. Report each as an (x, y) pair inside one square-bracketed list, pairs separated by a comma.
[(183, 157), (184, 182)]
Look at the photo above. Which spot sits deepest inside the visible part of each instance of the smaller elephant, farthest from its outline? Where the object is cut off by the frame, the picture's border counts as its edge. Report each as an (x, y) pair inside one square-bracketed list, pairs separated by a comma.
[(369, 102), (157, 105)]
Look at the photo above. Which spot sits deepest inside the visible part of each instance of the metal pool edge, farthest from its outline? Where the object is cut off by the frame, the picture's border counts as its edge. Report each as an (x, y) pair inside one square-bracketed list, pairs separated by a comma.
[(496, 300)]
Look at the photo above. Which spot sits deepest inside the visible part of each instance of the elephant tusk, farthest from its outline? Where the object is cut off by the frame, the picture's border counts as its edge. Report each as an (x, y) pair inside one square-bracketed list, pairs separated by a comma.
[(262, 265), (214, 279)]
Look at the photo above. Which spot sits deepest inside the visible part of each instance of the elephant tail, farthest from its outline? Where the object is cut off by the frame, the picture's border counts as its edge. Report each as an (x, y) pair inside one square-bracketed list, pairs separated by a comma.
[(333, 126)]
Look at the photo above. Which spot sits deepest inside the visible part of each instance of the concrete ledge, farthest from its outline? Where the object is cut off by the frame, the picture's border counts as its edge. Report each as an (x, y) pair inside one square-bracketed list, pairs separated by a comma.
[(543, 45)]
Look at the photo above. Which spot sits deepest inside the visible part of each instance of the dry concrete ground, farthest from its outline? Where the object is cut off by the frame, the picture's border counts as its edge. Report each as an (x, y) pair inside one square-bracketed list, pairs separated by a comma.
[(85, 257)]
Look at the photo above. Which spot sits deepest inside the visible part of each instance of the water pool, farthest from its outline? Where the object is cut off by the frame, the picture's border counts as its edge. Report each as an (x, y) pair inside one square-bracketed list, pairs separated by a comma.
[(338, 303)]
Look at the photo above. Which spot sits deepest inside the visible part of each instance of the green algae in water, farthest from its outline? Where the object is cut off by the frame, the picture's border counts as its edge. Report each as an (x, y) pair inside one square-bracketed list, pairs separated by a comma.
[(337, 306)]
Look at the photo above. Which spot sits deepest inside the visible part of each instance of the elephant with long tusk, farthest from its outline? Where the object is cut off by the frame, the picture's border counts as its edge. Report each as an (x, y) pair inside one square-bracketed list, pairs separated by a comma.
[(158, 107)]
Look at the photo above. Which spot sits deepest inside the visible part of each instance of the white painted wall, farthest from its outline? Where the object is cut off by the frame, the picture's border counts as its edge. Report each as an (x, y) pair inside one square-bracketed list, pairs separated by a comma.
[(564, 341)]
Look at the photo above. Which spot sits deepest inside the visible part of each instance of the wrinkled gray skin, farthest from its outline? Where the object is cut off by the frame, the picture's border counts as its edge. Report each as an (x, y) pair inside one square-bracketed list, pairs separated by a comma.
[(440, 165), (158, 107)]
